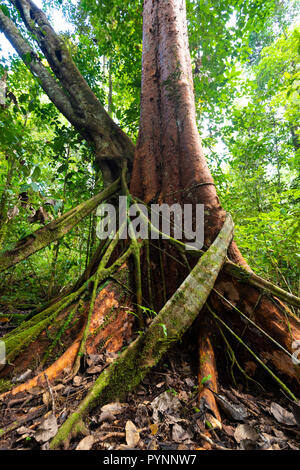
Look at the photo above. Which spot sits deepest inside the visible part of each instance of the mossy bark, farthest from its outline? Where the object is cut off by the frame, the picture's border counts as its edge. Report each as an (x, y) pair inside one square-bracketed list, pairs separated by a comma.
[(54, 230)]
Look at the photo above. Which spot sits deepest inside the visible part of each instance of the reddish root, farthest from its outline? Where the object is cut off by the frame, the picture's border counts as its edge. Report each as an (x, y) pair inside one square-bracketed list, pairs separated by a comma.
[(111, 327), (207, 375)]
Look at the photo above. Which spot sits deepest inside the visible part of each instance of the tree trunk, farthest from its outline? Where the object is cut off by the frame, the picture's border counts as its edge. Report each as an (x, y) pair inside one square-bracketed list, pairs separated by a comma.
[(169, 164), (170, 167)]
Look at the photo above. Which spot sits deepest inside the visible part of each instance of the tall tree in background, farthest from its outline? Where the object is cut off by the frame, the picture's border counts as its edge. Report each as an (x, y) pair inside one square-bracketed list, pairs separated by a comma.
[(168, 167)]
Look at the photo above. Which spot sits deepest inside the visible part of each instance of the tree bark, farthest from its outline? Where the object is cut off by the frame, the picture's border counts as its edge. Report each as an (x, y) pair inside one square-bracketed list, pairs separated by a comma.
[(169, 164)]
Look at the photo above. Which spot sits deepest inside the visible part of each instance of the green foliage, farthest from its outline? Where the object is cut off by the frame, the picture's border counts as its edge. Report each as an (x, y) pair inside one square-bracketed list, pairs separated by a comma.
[(259, 180), (43, 164)]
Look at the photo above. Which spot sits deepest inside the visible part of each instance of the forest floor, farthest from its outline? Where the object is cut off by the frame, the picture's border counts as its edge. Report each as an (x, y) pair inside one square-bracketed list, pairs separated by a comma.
[(161, 414)]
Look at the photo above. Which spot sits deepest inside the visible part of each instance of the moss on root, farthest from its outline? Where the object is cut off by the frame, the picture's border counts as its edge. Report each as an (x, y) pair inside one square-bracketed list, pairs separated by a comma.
[(5, 385)]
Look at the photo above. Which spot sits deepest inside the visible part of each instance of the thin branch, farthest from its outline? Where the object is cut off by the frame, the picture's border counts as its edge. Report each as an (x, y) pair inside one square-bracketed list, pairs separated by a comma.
[(33, 62), (54, 230), (282, 385)]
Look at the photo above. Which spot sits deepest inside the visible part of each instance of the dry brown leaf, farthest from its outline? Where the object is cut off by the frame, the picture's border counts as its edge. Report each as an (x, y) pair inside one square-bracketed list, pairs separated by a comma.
[(46, 398), (245, 432), (179, 434), (47, 429), (77, 380), (86, 443), (132, 434), (282, 415), (114, 408), (165, 404)]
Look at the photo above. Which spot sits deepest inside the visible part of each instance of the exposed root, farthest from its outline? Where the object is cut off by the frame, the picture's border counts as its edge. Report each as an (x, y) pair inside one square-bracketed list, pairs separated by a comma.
[(149, 277), (100, 274), (253, 279), (62, 330), (255, 325), (234, 362), (271, 328), (207, 376), (110, 327), (25, 334), (168, 326), (64, 363)]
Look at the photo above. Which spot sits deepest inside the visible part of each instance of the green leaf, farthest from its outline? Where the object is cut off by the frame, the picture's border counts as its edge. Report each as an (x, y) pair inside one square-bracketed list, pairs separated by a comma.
[(35, 187), (205, 379), (36, 173), (5, 10)]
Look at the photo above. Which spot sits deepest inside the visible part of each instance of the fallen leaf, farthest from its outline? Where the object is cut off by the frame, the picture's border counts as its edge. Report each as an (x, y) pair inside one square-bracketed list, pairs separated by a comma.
[(106, 416), (86, 443), (161, 384), (154, 429), (244, 432), (292, 446), (179, 434), (215, 423), (282, 415), (165, 404), (47, 429), (141, 417), (190, 383), (182, 395), (23, 430), (269, 440), (279, 434), (95, 369), (46, 398), (229, 430), (233, 411), (93, 359), (77, 380), (132, 434), (246, 444), (114, 408)]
